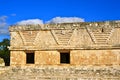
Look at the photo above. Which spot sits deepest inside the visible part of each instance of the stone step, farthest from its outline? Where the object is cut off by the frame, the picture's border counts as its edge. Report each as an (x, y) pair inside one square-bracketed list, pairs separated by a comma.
[(102, 32), (59, 32), (100, 40), (101, 36), (63, 38), (108, 29), (100, 44), (62, 41), (30, 38), (63, 35)]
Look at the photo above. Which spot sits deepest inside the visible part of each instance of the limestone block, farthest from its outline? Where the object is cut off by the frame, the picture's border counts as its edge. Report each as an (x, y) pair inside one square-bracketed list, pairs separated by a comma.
[(47, 57), (95, 57), (17, 58)]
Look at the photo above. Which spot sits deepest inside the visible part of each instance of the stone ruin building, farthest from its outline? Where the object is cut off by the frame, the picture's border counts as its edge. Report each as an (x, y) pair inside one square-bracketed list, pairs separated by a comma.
[(66, 51), (96, 43)]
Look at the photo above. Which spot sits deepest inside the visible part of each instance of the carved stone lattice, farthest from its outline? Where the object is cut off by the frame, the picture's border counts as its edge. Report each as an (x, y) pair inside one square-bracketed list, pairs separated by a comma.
[(100, 35), (29, 37), (62, 36)]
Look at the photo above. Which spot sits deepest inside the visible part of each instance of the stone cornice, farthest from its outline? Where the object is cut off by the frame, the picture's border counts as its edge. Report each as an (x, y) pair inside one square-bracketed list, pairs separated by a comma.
[(63, 48), (106, 24)]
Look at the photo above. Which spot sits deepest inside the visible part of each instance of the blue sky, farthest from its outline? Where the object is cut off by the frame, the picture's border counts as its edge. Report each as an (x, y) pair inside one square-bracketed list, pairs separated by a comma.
[(13, 11)]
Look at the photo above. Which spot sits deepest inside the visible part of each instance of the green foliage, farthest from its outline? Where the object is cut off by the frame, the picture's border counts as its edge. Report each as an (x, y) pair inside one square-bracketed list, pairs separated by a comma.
[(4, 52)]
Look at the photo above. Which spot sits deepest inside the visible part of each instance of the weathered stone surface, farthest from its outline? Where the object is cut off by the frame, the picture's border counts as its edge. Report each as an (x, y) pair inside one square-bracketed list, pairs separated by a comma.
[(2, 63), (93, 48), (77, 57), (64, 26), (18, 58), (96, 35), (47, 57), (61, 73), (88, 43), (95, 57)]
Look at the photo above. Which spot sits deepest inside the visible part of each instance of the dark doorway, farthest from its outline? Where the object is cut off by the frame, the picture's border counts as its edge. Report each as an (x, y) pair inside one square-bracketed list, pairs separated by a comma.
[(30, 58), (65, 58)]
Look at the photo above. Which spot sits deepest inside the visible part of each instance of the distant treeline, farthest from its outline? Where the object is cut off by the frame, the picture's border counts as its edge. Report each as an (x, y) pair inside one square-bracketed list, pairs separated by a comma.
[(4, 52)]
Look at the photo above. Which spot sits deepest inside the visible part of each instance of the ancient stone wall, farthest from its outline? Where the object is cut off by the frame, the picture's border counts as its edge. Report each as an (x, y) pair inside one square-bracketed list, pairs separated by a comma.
[(77, 57), (96, 43), (47, 57), (17, 58), (64, 72), (73, 36), (92, 50), (95, 57)]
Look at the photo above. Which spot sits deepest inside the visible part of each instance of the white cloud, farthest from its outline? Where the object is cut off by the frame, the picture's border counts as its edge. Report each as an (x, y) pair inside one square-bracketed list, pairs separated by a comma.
[(3, 18), (54, 20), (3, 25), (30, 22), (4, 31), (3, 21), (117, 21), (65, 20)]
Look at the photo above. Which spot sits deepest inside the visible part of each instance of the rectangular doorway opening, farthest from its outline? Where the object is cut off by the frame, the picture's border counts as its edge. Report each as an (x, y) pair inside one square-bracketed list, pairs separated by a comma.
[(65, 58), (30, 58)]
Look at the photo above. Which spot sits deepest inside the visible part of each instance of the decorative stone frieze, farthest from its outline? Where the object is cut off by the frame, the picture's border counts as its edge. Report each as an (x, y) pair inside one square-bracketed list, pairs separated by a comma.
[(84, 43)]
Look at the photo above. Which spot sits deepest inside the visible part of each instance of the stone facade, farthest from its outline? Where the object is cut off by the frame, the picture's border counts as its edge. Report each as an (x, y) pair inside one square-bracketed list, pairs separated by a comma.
[(96, 43), (67, 51)]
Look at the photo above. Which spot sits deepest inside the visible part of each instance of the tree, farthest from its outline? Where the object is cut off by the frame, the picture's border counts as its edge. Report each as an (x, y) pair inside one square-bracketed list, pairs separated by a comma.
[(4, 52)]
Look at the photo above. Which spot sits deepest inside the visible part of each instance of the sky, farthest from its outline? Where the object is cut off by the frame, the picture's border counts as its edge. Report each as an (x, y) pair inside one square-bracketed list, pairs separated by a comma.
[(55, 11)]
